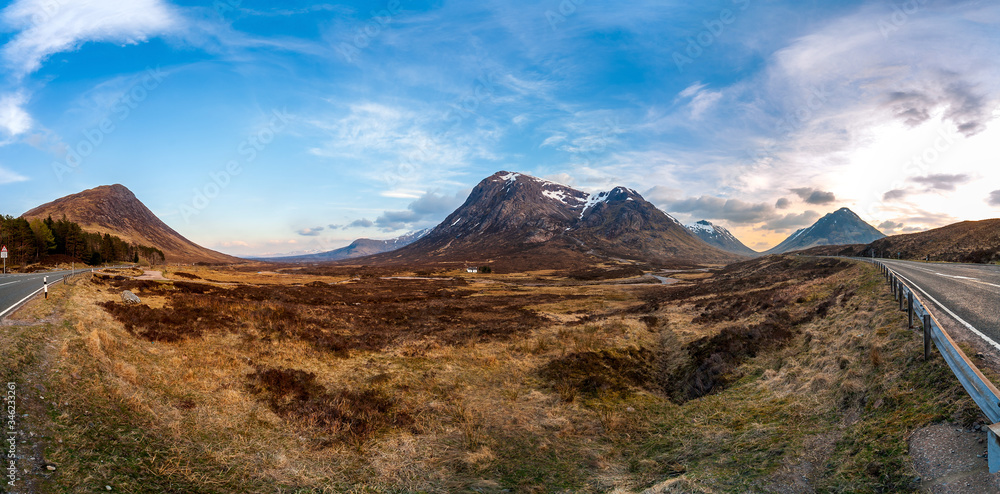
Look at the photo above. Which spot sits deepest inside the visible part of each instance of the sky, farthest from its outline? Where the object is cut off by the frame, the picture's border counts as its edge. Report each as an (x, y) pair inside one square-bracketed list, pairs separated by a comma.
[(258, 129)]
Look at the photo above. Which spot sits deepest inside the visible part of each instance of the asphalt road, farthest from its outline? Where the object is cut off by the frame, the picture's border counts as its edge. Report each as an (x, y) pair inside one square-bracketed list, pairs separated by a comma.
[(968, 293), (15, 287)]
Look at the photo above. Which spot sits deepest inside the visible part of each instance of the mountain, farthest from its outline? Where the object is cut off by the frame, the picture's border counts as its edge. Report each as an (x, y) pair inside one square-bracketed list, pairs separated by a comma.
[(841, 227), (538, 224), (358, 248), (718, 236), (968, 241), (114, 209)]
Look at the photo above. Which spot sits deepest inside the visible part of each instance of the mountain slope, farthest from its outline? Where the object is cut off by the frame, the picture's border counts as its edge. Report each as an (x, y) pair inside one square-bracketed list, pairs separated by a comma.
[(114, 209), (841, 227), (620, 223), (358, 248), (536, 224), (720, 237), (968, 241)]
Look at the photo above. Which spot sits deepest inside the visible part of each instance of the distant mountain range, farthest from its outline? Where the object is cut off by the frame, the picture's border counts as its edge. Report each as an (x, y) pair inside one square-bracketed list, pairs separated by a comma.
[(841, 227), (115, 210), (523, 221), (718, 236), (534, 223), (359, 248)]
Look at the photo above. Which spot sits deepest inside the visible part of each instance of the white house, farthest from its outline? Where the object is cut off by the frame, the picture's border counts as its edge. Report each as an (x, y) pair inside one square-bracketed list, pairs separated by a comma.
[(471, 270)]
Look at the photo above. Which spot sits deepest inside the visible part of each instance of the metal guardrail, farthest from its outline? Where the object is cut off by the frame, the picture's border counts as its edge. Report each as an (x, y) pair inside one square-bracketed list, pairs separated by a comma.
[(982, 391)]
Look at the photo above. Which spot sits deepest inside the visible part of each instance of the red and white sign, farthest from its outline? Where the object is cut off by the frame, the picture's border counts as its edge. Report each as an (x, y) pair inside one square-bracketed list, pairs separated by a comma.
[(3, 252)]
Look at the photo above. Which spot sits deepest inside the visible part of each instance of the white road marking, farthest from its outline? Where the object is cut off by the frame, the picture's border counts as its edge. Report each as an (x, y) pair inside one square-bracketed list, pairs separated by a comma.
[(952, 314), (952, 276), (4, 313)]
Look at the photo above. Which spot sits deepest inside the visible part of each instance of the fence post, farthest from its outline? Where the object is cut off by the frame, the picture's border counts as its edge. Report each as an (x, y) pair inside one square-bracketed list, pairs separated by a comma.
[(927, 336), (909, 309), (902, 300), (993, 447)]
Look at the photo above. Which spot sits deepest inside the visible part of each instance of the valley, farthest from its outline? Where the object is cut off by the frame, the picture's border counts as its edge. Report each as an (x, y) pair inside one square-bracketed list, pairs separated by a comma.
[(564, 247), (539, 339), (232, 381)]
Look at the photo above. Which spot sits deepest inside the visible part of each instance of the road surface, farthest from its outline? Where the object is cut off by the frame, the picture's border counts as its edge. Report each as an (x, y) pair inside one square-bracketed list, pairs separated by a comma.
[(14, 288), (967, 293)]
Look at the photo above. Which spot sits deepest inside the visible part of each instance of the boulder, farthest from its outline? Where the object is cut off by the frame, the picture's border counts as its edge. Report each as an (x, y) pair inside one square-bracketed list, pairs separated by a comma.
[(130, 298)]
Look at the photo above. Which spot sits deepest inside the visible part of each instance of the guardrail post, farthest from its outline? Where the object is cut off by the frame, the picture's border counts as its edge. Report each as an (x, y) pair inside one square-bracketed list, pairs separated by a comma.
[(993, 447), (902, 299), (927, 336), (909, 309)]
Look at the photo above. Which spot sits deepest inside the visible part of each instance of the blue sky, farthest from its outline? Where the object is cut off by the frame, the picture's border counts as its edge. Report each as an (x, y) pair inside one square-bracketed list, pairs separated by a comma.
[(257, 129)]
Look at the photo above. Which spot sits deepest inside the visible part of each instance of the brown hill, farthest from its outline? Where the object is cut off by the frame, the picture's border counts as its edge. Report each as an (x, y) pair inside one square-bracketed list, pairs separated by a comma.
[(831, 250), (968, 241), (529, 223), (114, 209)]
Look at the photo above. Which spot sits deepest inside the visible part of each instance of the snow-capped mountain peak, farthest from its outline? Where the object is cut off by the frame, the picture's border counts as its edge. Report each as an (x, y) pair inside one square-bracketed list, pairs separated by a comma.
[(719, 236), (703, 225)]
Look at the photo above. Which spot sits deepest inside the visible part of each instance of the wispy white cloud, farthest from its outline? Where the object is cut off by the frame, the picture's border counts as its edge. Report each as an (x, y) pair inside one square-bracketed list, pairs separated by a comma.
[(553, 139), (426, 211), (287, 12), (842, 101), (310, 232), (701, 99), (10, 177), (405, 148), (48, 27), (14, 120), (402, 193), (692, 90)]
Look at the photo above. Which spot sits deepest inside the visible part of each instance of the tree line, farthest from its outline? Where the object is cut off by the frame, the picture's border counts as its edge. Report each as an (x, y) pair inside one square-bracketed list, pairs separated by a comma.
[(34, 241)]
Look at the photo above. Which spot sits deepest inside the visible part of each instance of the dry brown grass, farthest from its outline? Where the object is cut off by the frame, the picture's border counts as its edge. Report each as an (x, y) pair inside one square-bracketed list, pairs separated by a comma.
[(444, 386)]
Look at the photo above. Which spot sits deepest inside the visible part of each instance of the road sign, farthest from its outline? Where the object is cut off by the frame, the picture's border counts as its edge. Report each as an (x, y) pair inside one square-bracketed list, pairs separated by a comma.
[(3, 252)]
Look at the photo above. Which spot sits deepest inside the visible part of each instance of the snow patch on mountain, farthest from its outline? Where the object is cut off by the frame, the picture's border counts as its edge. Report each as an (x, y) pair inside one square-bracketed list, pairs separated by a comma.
[(702, 226), (594, 200), (510, 177), (558, 195)]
